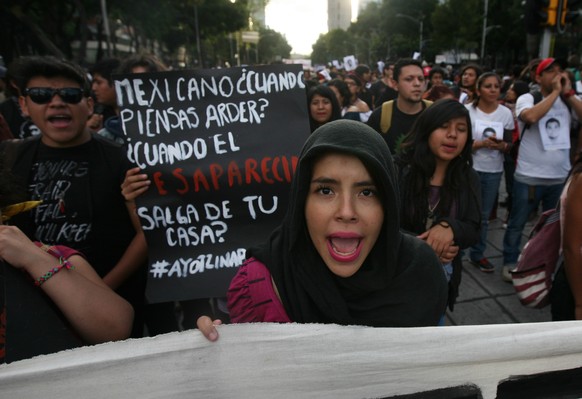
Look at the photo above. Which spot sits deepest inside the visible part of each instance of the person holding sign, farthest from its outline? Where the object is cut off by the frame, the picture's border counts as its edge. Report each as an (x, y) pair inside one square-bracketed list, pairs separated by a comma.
[(492, 126), (104, 88), (339, 255)]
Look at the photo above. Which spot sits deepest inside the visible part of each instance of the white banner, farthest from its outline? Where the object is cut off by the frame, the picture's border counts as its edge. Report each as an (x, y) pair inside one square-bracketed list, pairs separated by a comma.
[(300, 361)]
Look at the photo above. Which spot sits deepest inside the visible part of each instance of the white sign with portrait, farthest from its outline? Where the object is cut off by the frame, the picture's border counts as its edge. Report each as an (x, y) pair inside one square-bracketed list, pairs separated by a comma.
[(488, 129), (350, 63), (555, 130)]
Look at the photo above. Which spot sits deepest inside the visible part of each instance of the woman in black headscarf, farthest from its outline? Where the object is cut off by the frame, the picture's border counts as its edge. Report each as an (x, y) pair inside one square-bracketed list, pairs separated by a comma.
[(330, 261)]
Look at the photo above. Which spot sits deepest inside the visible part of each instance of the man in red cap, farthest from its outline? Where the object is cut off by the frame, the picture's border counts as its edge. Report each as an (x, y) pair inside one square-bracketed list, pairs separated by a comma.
[(543, 162)]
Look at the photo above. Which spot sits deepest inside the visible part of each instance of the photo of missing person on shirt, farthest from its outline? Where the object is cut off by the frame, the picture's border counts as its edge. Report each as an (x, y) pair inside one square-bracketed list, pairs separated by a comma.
[(554, 131)]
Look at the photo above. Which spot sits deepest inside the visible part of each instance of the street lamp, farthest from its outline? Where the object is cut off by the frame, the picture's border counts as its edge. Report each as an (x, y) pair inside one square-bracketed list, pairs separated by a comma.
[(420, 24), (484, 33), (197, 28), (105, 17), (486, 29)]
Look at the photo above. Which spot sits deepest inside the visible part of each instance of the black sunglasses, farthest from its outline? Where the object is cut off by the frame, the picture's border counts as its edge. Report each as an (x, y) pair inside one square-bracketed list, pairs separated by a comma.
[(44, 95)]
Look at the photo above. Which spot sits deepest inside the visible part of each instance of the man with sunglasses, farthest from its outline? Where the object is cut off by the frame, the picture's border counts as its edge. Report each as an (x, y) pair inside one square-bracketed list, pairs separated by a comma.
[(77, 176)]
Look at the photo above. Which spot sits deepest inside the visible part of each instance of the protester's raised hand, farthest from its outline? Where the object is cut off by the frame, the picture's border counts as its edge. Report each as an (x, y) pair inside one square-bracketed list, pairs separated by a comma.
[(208, 327), (566, 83), (134, 184), (95, 122), (558, 82)]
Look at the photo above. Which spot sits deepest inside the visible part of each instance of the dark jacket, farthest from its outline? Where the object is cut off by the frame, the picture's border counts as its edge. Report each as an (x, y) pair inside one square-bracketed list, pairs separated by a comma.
[(466, 226)]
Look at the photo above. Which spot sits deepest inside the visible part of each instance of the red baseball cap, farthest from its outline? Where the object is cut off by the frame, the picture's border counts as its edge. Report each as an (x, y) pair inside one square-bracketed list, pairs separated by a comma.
[(544, 65)]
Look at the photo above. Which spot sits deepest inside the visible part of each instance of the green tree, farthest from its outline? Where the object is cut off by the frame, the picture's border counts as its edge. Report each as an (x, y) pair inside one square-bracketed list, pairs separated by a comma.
[(49, 27), (402, 20), (368, 35), (334, 45), (272, 46), (505, 33), (462, 35), (38, 26)]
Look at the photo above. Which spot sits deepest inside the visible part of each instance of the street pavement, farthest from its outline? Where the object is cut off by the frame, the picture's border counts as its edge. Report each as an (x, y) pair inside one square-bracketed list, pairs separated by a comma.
[(484, 298)]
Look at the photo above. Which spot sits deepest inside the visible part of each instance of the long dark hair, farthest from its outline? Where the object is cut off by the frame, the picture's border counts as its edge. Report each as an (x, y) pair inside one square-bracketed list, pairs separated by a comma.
[(147, 61), (478, 72), (343, 89), (479, 83), (328, 93), (418, 164)]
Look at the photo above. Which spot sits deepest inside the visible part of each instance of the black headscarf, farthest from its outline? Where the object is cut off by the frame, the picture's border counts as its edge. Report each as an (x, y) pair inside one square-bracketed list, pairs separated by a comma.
[(401, 282)]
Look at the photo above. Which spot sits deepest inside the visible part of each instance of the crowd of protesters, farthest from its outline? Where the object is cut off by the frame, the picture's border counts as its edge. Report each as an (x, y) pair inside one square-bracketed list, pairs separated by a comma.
[(407, 159)]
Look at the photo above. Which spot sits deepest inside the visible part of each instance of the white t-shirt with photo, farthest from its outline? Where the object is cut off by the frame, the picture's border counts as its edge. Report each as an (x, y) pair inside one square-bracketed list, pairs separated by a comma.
[(544, 152), (483, 126), (554, 133)]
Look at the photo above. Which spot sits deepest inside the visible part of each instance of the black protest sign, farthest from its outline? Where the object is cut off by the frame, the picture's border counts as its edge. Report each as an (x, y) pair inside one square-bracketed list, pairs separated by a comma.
[(220, 147)]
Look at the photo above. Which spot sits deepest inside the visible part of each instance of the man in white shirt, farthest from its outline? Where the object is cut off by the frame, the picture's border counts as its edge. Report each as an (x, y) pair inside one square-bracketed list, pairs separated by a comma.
[(544, 161)]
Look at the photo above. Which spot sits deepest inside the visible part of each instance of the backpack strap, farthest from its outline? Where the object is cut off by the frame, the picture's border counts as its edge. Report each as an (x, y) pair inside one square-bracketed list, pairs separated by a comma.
[(537, 96), (386, 116), (427, 103)]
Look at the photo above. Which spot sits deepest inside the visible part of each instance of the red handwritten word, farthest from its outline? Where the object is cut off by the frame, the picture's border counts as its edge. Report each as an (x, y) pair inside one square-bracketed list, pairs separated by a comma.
[(268, 170)]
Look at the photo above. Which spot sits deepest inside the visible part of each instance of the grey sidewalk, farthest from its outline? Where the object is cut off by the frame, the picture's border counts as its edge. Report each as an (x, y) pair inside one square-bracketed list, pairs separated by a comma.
[(486, 299)]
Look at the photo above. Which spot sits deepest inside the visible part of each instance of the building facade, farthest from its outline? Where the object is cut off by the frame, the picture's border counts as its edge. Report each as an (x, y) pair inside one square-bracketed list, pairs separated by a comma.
[(339, 14)]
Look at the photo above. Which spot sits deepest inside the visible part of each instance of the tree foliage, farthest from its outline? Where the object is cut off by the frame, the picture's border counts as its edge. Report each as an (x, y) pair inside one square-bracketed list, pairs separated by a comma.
[(49, 27), (333, 46), (272, 46), (452, 33), (390, 29), (385, 30)]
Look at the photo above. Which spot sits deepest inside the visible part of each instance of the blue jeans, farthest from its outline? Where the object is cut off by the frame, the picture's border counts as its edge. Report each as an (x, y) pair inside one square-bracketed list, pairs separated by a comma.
[(489, 189), (524, 203)]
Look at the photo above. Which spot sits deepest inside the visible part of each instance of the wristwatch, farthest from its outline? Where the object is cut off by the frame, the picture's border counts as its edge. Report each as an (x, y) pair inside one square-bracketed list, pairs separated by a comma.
[(444, 224)]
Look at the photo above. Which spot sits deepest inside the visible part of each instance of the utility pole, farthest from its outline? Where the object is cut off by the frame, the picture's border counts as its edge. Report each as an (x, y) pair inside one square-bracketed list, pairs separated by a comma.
[(106, 26), (484, 33), (420, 25)]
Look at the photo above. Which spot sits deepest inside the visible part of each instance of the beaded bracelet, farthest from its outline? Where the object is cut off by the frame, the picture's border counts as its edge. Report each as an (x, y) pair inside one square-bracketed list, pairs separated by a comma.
[(62, 263)]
